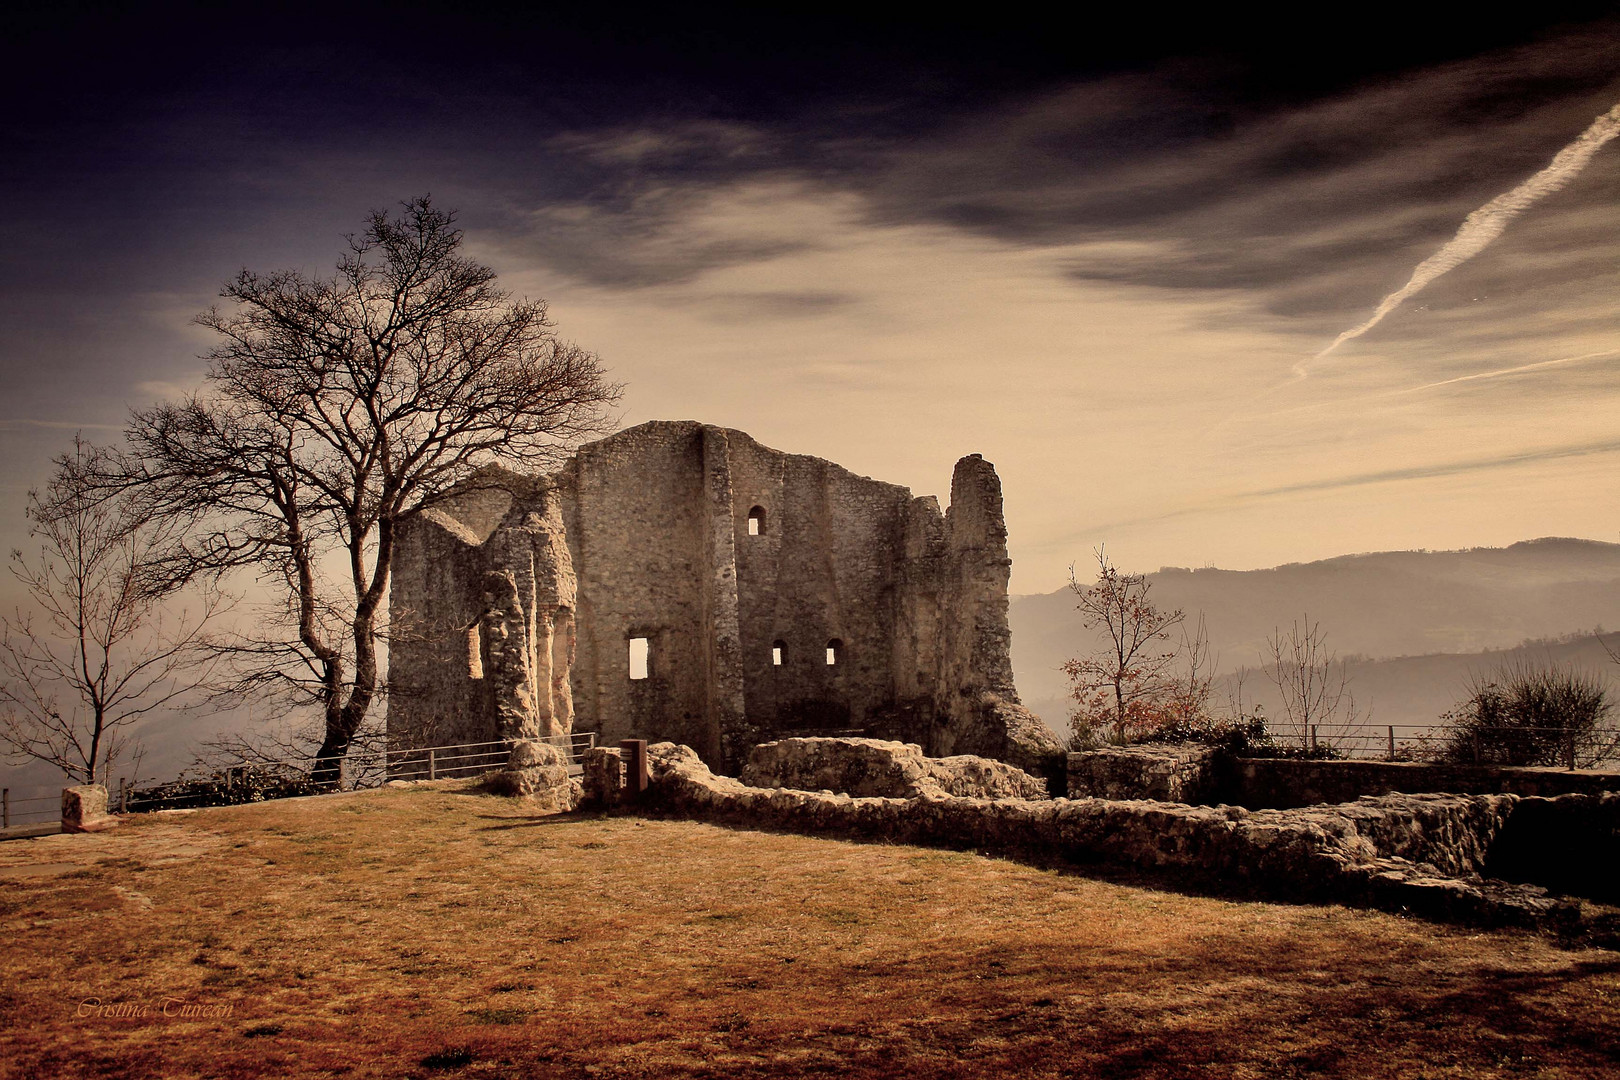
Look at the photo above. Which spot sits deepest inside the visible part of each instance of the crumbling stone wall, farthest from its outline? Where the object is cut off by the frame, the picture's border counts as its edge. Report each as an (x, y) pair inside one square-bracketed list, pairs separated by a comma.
[(744, 569), (1194, 773), (883, 768), (1161, 771), (1424, 854)]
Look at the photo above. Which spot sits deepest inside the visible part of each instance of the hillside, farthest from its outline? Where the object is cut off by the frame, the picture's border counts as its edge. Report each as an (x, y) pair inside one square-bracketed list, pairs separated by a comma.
[(1442, 613)]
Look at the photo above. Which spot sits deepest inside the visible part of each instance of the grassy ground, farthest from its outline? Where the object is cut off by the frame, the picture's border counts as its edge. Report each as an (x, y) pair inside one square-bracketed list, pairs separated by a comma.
[(427, 933)]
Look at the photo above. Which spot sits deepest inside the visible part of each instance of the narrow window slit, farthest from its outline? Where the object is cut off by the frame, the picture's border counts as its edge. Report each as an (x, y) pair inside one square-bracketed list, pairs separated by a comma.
[(640, 655)]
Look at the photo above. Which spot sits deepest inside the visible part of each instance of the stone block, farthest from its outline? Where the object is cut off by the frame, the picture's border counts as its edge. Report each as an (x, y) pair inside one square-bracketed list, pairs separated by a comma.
[(884, 769), (604, 777), (1163, 772), (84, 809)]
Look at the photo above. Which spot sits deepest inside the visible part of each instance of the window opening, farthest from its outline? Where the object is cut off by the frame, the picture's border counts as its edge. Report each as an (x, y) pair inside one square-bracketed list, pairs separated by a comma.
[(756, 521), (640, 653), (835, 652), (778, 653)]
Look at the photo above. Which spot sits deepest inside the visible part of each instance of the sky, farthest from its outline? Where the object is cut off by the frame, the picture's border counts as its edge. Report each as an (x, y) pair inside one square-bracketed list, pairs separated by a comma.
[(1135, 263)]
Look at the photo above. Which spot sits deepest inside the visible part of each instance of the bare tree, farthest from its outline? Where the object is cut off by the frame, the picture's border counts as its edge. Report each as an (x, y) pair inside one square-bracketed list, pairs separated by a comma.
[(1195, 683), (1126, 687), (1313, 683), (336, 408), (100, 650)]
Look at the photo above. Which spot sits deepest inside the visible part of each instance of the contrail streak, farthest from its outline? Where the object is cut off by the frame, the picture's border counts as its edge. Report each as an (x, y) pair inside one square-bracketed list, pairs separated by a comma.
[(1500, 372), (1487, 223)]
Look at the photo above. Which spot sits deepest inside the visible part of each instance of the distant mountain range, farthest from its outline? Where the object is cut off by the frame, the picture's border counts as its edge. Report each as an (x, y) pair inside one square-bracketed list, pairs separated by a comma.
[(1441, 613)]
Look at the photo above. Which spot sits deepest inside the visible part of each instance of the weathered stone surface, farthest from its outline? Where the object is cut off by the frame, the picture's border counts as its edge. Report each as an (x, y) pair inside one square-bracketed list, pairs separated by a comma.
[(539, 772), (878, 767), (1283, 783), (84, 809), (1570, 843), (1198, 774), (745, 569), (604, 777), (1161, 771), (1422, 853)]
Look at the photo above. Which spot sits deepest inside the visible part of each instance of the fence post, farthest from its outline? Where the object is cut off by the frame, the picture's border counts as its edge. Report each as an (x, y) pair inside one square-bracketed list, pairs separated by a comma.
[(123, 794), (433, 765), (1313, 738), (1569, 751), (1392, 742), (343, 770), (5, 815), (635, 768)]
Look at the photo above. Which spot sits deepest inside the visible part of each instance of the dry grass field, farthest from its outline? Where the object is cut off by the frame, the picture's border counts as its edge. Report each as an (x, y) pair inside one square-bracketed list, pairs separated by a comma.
[(434, 934)]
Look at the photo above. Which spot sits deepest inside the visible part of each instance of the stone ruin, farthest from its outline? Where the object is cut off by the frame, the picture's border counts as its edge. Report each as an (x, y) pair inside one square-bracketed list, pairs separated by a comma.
[(679, 581)]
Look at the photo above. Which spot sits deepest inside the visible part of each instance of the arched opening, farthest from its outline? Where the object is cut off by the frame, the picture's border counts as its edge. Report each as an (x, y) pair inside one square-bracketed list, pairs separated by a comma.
[(756, 521), (835, 652), (640, 657), (778, 653)]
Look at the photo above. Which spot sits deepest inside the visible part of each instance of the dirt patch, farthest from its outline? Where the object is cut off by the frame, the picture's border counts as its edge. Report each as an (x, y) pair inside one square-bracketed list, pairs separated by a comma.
[(424, 933)]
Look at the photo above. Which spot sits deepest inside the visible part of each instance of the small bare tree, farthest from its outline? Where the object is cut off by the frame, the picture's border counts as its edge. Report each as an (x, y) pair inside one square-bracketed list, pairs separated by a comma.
[(1313, 683), (1126, 687), (335, 409), (100, 649), (1195, 683)]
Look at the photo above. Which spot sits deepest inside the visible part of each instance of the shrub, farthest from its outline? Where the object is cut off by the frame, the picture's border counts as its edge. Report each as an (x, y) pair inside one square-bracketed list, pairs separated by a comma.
[(1240, 736), (1532, 713)]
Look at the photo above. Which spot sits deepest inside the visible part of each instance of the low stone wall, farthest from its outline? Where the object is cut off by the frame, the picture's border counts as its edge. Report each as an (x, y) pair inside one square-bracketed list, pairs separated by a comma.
[(1419, 853), (878, 767), (1199, 774), (1569, 843), (1164, 772), (1281, 783)]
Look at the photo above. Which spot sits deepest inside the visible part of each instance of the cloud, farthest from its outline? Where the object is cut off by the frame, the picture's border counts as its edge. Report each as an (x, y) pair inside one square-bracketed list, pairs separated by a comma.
[(1491, 220), (1355, 480), (55, 425)]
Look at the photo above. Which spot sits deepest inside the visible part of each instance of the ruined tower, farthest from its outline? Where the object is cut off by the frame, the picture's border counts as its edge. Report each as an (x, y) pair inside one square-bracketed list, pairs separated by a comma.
[(700, 587)]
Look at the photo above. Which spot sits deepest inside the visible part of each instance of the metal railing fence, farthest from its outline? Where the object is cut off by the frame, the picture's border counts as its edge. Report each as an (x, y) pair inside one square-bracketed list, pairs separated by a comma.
[(25, 810), (256, 781), (1557, 747)]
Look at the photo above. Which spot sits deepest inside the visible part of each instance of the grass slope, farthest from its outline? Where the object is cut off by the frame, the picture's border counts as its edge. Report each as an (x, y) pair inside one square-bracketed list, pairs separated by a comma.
[(430, 933)]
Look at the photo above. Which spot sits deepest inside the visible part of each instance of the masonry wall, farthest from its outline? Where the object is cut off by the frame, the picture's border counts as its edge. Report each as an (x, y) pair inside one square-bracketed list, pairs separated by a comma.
[(1283, 783), (824, 569), (436, 599), (633, 506), (657, 518)]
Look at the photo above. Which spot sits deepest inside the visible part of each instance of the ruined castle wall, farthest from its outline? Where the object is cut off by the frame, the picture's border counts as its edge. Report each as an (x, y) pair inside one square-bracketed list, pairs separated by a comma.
[(434, 606), (658, 537), (823, 569), (634, 508)]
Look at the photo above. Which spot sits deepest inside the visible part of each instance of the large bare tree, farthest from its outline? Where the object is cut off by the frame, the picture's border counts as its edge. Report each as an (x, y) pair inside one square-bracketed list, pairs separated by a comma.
[(97, 650), (334, 409)]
